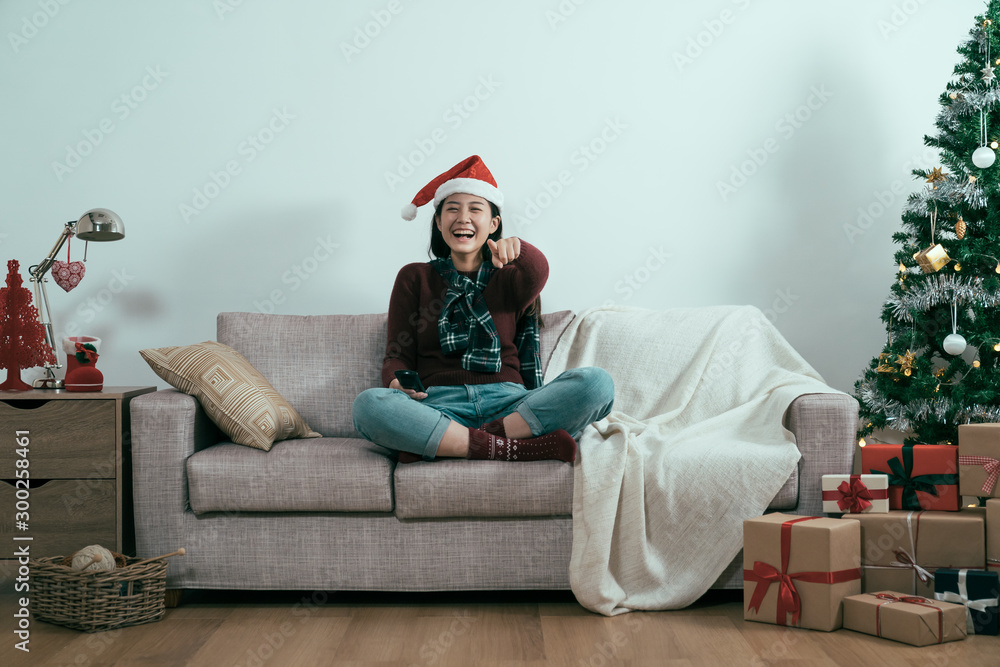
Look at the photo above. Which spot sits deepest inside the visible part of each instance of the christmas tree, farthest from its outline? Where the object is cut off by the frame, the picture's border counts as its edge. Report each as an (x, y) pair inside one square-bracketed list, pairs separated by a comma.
[(940, 366), (22, 337)]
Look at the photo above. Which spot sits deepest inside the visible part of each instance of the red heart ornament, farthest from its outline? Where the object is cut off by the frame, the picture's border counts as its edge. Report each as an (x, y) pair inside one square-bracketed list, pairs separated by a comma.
[(68, 274)]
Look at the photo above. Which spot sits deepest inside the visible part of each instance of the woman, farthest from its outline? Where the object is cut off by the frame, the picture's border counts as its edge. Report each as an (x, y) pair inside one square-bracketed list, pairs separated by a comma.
[(466, 322)]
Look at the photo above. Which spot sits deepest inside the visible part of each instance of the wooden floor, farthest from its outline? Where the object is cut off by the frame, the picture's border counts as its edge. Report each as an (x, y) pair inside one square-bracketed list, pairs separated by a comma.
[(218, 629)]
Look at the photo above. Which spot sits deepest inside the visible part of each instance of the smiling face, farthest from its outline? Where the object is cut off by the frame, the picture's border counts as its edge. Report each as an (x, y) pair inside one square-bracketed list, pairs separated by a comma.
[(465, 224)]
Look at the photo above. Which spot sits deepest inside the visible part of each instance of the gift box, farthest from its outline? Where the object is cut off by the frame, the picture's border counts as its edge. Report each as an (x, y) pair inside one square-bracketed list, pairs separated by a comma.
[(920, 476), (979, 460), (905, 618), (900, 551), (993, 535), (855, 494), (976, 590), (932, 258), (799, 569)]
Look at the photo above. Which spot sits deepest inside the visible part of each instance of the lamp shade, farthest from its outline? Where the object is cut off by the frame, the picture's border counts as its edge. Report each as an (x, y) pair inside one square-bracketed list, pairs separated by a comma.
[(100, 224)]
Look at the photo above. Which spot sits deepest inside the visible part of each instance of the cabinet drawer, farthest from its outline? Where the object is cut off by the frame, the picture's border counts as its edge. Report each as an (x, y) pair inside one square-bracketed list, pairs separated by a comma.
[(65, 515), (69, 438)]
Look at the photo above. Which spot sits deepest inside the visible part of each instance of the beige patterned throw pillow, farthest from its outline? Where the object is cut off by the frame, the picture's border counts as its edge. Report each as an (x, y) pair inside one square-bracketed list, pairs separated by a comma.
[(233, 393)]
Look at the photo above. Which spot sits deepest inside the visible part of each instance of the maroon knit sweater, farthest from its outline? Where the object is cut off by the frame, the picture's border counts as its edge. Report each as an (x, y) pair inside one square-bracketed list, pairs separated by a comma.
[(415, 306)]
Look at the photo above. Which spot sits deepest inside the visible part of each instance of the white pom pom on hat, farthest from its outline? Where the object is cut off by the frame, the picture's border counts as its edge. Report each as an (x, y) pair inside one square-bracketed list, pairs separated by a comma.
[(470, 176)]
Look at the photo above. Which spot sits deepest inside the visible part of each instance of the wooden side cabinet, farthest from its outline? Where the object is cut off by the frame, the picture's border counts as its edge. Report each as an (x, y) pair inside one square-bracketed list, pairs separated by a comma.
[(78, 451)]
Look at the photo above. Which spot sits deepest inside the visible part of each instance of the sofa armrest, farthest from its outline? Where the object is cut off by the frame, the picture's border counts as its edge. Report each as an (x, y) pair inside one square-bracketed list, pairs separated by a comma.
[(168, 426), (825, 428)]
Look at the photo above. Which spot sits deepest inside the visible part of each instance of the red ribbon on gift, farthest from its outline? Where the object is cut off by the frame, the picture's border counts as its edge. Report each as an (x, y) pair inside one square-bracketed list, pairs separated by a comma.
[(789, 601), (855, 497), (990, 465), (87, 352), (889, 598)]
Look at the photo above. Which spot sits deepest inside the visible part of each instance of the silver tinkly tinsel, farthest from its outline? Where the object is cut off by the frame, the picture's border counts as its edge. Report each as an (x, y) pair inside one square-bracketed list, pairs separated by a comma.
[(970, 101), (941, 289), (947, 193), (902, 417)]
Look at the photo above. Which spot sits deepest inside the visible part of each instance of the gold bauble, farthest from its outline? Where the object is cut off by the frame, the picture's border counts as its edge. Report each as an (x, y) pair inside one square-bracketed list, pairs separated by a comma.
[(960, 228)]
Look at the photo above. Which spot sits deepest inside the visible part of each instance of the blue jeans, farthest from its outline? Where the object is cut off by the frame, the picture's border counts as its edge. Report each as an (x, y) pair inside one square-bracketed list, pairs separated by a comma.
[(389, 417)]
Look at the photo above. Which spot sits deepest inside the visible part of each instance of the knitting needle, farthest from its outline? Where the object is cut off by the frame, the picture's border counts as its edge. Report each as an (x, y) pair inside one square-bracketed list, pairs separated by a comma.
[(179, 552)]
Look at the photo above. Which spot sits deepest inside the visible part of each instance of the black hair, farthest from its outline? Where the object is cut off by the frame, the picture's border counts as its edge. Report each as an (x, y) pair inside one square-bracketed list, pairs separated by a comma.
[(439, 248)]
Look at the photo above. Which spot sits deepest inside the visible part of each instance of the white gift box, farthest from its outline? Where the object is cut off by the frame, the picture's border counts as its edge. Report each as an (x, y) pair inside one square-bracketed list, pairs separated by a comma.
[(855, 494)]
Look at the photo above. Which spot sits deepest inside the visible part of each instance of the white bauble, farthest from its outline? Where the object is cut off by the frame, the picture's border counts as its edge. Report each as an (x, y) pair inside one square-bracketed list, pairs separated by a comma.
[(954, 344), (984, 157)]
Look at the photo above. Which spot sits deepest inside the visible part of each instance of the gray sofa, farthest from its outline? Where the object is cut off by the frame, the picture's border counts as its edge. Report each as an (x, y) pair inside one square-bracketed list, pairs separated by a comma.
[(338, 513)]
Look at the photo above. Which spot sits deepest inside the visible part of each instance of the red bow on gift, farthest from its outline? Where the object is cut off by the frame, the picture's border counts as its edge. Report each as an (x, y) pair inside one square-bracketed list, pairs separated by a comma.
[(854, 497), (87, 351), (990, 465), (765, 574)]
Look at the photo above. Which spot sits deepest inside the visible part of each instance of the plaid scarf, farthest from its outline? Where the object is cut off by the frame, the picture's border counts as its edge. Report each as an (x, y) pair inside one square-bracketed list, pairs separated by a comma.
[(466, 326)]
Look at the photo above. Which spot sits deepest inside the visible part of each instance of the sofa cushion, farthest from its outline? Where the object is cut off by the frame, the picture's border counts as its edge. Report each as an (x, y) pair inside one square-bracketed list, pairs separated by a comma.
[(316, 475), (461, 488), (319, 363), (453, 488), (232, 392)]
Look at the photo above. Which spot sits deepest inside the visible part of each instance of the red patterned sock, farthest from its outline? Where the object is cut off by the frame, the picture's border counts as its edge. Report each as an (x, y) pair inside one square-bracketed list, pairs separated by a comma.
[(495, 427), (558, 446)]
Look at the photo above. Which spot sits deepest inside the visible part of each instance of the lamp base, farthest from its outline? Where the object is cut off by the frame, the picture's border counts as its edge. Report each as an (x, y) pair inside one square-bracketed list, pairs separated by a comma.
[(48, 383)]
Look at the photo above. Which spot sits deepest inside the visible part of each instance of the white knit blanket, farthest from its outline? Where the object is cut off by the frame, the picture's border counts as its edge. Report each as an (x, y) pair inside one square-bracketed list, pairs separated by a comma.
[(693, 446)]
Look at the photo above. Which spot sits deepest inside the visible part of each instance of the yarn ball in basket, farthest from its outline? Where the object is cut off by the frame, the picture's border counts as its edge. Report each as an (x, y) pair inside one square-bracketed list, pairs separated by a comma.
[(84, 559)]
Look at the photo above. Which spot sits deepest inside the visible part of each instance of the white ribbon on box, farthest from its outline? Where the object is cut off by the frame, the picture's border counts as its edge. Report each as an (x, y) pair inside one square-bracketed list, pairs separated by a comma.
[(906, 559), (962, 598)]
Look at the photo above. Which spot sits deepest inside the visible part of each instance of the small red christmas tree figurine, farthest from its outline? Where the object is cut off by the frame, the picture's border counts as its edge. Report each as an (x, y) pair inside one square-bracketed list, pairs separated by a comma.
[(22, 337)]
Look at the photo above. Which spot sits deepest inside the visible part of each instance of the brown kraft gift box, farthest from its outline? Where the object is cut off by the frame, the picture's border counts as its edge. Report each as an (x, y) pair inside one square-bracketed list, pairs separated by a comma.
[(798, 569), (904, 618), (900, 548), (993, 535), (979, 460)]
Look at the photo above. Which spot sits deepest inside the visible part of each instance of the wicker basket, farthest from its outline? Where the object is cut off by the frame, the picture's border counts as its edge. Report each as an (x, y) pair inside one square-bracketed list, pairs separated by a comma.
[(102, 600)]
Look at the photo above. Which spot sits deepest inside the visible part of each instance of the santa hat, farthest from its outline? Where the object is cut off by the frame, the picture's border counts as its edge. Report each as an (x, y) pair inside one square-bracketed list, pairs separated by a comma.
[(470, 176)]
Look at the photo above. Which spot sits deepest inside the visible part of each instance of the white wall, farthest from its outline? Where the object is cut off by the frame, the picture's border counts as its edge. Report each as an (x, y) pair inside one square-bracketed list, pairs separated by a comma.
[(161, 95)]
